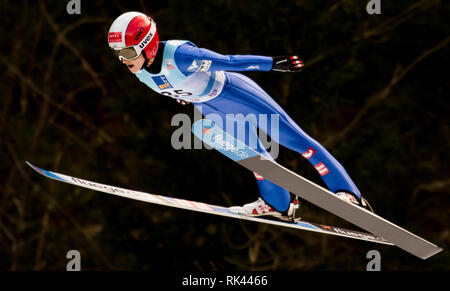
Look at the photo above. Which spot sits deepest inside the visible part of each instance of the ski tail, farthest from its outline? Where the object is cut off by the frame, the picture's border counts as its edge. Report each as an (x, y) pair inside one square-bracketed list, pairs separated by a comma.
[(216, 138)]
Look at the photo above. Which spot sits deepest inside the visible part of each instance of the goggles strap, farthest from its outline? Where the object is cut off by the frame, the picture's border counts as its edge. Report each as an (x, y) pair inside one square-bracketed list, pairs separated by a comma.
[(147, 39)]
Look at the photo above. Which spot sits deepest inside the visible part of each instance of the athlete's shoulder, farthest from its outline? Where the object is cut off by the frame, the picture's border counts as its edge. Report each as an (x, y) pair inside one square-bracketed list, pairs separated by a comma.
[(178, 43), (182, 50)]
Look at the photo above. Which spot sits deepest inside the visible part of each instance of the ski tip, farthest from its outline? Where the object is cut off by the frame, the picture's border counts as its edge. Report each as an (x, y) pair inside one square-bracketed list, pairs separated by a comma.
[(46, 173), (32, 166), (37, 169)]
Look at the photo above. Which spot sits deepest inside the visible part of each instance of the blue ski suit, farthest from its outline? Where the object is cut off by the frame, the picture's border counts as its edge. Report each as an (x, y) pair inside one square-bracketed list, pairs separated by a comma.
[(203, 77)]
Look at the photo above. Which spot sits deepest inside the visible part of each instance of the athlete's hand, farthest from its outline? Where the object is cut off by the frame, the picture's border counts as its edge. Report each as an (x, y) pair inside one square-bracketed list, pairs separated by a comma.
[(182, 102), (287, 64)]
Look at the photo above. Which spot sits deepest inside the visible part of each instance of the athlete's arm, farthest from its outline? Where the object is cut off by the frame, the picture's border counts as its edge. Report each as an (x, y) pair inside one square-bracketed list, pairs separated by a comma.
[(190, 59)]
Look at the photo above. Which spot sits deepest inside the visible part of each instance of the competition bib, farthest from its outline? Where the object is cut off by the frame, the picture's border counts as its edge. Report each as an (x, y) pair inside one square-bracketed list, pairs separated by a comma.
[(200, 86)]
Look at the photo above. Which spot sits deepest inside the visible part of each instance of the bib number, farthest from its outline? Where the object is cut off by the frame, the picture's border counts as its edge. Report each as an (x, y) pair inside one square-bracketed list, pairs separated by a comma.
[(176, 93)]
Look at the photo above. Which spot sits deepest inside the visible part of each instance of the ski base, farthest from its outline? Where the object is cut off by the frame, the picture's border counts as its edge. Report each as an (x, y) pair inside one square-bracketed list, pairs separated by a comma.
[(208, 208)]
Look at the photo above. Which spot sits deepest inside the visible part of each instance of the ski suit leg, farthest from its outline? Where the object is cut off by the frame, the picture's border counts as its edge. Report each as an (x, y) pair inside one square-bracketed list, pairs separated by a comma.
[(274, 195), (241, 95)]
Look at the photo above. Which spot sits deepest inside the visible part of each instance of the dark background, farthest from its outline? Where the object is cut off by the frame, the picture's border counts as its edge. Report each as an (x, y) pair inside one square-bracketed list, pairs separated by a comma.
[(374, 92)]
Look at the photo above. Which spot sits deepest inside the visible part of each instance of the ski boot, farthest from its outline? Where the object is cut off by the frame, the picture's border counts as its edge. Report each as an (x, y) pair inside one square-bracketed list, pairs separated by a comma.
[(261, 208), (351, 198)]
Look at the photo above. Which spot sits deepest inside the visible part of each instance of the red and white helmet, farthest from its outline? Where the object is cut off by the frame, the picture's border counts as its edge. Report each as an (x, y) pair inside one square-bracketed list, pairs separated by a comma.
[(136, 32)]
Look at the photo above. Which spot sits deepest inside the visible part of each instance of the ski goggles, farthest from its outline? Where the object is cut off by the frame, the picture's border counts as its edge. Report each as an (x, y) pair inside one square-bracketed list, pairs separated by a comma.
[(132, 52), (129, 53)]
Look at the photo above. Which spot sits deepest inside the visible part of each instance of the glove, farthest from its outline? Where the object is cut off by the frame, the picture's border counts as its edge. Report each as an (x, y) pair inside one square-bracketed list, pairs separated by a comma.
[(287, 64)]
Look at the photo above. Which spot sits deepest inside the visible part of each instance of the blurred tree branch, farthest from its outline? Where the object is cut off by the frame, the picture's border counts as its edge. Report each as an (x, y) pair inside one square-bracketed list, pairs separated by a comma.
[(29, 83), (398, 75), (61, 36), (412, 11), (434, 186)]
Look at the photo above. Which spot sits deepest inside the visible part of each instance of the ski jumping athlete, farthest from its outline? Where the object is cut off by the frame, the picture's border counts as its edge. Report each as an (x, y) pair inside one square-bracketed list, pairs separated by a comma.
[(180, 70)]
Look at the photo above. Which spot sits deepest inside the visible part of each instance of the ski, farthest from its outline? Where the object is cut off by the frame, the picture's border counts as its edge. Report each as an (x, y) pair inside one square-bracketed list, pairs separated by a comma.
[(216, 138), (207, 208)]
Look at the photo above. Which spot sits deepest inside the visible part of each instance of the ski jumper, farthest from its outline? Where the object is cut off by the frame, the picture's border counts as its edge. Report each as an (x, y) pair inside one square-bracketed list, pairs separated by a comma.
[(203, 77)]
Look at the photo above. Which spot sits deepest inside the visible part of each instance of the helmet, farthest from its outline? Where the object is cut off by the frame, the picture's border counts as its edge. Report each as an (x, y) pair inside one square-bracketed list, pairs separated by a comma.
[(131, 33)]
